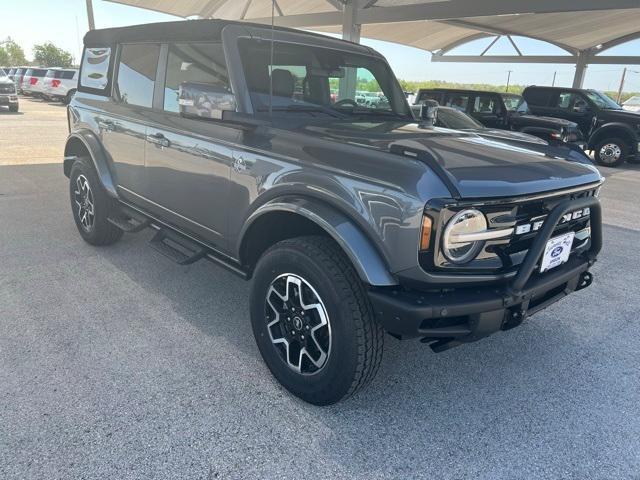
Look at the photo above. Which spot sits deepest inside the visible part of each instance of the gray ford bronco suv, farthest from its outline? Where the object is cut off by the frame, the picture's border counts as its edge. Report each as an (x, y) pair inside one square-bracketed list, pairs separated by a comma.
[(244, 145)]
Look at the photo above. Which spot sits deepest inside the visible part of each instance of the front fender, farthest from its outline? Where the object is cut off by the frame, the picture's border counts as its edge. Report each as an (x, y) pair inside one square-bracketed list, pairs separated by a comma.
[(604, 130), (364, 256), (86, 141)]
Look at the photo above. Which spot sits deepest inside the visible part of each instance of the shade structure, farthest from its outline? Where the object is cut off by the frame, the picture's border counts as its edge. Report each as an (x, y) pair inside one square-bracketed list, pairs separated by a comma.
[(583, 29)]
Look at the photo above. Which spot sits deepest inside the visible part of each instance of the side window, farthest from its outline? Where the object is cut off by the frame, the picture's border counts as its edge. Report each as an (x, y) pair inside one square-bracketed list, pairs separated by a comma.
[(565, 99), (137, 74), (458, 101), (95, 68), (485, 104), (429, 96), (68, 75), (537, 97), (201, 63)]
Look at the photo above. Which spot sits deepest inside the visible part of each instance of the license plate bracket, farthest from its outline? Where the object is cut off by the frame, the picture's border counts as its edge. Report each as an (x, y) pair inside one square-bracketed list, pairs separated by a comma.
[(557, 251)]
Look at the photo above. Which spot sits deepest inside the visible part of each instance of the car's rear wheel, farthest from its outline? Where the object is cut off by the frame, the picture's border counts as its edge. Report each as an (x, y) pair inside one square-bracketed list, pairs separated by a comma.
[(91, 205), (611, 152), (313, 322)]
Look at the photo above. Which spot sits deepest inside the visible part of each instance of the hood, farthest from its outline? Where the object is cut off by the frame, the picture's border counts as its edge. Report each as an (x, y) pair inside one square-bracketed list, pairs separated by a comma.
[(624, 116), (469, 165), (536, 119), (6, 81)]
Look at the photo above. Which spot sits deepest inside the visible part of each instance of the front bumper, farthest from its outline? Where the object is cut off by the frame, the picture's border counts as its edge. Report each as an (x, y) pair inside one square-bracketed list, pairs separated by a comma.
[(10, 99), (447, 318)]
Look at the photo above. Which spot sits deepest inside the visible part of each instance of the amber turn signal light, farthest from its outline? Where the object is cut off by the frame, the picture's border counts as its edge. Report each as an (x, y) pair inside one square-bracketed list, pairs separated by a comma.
[(425, 239)]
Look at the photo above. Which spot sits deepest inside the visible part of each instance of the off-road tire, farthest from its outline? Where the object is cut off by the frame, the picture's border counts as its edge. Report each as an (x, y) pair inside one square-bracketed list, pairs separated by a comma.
[(602, 160), (102, 232), (356, 338), (13, 108), (67, 99)]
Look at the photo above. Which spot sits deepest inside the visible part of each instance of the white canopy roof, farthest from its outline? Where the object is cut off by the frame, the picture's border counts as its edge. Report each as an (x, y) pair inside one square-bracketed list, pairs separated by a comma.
[(583, 28), (436, 25)]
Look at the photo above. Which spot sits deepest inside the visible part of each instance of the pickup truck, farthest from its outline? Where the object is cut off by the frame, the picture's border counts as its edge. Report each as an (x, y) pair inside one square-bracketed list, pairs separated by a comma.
[(613, 134), (506, 111), (245, 145)]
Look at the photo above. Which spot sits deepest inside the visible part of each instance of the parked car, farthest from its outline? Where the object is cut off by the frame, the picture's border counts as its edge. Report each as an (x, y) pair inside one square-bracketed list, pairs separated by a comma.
[(8, 94), (350, 220), (447, 117), (18, 78), (33, 82), (611, 132), (60, 84), (506, 111)]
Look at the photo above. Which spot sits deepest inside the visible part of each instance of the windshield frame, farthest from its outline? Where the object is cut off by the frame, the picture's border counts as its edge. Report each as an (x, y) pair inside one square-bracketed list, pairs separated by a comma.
[(398, 105)]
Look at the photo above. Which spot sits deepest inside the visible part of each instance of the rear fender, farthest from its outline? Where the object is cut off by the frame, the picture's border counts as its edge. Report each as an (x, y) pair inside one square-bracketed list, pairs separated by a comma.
[(85, 142)]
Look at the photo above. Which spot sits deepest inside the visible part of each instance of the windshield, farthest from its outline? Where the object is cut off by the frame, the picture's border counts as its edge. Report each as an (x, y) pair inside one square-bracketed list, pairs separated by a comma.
[(601, 100), (515, 103), (317, 81), (456, 120)]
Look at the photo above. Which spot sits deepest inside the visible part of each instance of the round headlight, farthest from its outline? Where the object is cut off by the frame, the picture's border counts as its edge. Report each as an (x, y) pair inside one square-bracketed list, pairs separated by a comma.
[(457, 245)]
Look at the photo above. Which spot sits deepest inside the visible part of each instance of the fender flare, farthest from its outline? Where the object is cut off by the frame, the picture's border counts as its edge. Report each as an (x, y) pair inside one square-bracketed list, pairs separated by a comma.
[(364, 256), (98, 157), (601, 131)]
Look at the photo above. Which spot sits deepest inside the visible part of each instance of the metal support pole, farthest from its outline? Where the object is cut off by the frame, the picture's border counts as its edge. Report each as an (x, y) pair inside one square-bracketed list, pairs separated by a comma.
[(553, 82), (508, 80), (581, 68), (350, 32), (624, 74), (92, 23)]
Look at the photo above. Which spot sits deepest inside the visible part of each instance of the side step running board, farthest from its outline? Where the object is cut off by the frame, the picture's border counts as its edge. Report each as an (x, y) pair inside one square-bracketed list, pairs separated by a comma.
[(178, 248), (129, 220)]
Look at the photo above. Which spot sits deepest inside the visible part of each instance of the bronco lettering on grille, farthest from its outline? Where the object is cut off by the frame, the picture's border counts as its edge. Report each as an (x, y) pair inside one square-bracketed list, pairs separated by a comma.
[(535, 224)]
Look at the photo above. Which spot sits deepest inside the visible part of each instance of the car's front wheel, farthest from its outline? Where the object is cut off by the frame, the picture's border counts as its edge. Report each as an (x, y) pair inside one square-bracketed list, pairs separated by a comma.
[(91, 205), (313, 322), (611, 152)]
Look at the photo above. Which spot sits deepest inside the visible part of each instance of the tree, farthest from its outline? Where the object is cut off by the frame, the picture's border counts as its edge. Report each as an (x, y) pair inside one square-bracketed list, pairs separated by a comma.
[(48, 55), (4, 57), (14, 53)]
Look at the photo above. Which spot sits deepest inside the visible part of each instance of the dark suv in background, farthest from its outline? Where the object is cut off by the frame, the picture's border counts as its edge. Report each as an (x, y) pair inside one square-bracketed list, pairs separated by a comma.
[(611, 132), (507, 111), (246, 146)]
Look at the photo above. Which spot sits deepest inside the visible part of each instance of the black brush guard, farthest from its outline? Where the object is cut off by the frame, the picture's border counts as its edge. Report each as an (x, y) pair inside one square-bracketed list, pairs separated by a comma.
[(468, 314)]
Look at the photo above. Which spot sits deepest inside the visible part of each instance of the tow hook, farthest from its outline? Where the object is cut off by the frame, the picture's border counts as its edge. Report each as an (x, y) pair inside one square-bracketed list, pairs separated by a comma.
[(586, 278), (513, 318)]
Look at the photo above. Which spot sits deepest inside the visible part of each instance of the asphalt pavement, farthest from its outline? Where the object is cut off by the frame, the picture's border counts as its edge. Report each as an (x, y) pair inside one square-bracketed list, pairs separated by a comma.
[(117, 363)]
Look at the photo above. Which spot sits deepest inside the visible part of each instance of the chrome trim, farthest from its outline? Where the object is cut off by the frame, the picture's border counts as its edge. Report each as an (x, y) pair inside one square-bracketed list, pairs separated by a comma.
[(481, 236)]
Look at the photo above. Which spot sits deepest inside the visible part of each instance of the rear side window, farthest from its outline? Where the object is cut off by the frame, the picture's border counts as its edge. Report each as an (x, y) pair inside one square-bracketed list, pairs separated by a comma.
[(37, 72), (95, 68), (485, 104), (68, 75), (201, 63), (565, 100), (538, 97), (458, 101), (137, 74)]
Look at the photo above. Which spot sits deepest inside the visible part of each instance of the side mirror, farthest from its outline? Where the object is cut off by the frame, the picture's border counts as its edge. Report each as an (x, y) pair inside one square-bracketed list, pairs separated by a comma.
[(202, 100), (580, 108), (428, 112)]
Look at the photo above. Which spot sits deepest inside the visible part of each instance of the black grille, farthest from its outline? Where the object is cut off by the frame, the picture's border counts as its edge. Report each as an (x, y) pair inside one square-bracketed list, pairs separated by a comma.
[(7, 89)]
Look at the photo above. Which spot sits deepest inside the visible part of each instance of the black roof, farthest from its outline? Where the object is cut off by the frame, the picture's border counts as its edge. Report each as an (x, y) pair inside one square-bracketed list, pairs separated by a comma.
[(181, 30)]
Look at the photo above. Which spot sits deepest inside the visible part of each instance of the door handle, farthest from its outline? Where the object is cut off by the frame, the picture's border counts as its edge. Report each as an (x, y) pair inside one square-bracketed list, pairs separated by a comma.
[(159, 140), (106, 125)]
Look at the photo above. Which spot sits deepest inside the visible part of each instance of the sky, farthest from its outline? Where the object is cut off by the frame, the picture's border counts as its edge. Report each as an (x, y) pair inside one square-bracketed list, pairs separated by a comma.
[(64, 22)]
